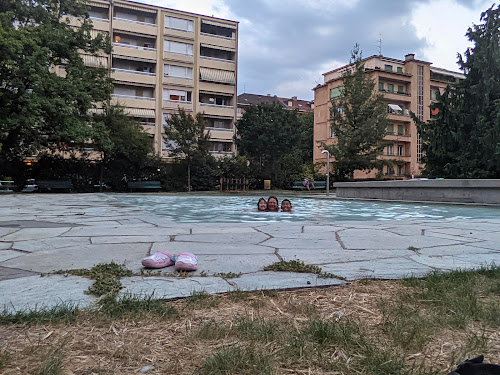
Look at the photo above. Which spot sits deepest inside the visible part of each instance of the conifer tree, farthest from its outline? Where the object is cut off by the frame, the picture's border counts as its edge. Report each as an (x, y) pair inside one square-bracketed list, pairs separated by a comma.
[(359, 121), (463, 141)]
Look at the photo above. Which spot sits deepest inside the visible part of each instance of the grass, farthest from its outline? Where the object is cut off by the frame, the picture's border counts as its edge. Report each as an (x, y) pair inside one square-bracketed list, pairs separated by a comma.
[(300, 267), (237, 360), (407, 327), (52, 363)]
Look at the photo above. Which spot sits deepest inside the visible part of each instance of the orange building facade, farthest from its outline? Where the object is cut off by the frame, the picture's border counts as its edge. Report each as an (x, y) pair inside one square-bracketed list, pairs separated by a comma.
[(406, 85)]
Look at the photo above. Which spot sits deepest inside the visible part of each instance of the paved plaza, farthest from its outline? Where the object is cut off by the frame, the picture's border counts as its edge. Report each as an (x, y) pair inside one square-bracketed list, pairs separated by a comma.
[(49, 232)]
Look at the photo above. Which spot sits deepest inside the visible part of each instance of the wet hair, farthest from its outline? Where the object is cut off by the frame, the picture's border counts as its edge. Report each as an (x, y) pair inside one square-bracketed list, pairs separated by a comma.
[(258, 202), (286, 200), (272, 196)]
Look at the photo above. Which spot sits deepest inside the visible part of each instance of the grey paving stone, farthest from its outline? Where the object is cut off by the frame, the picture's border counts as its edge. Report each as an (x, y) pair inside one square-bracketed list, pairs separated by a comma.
[(13, 273), (356, 239), (211, 229), (96, 231), (4, 231), (50, 243), (302, 243), (216, 249), (228, 238), (81, 257), (128, 239), (460, 261), (281, 280), (9, 254), (452, 250), (172, 287), (35, 293), (393, 268), (492, 245), (34, 234), (318, 256), (5, 245)]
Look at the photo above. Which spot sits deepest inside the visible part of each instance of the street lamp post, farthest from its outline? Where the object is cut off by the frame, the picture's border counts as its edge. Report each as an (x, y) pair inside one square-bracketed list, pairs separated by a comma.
[(327, 171)]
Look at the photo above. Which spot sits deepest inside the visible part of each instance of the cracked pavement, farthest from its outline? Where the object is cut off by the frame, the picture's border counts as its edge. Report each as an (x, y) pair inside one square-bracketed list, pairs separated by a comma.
[(49, 232)]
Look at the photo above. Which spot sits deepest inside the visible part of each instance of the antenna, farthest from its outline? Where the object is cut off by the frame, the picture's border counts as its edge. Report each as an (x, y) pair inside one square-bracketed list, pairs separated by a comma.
[(380, 45)]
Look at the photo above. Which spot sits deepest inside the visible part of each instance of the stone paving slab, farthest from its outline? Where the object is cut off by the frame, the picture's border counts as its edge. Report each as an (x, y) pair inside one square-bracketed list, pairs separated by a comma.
[(281, 280), (173, 287), (69, 231), (56, 290)]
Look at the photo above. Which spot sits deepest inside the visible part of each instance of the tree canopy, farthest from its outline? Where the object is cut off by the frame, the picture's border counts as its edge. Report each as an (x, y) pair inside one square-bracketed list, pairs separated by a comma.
[(38, 108), (358, 119), (185, 137), (463, 140)]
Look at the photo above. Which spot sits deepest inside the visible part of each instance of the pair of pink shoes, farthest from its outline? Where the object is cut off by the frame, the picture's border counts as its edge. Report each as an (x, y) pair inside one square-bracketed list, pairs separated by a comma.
[(161, 259)]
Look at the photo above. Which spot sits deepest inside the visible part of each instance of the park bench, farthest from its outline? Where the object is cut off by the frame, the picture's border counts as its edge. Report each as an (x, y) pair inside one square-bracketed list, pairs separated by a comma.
[(144, 185), (318, 185), (46, 186), (7, 186)]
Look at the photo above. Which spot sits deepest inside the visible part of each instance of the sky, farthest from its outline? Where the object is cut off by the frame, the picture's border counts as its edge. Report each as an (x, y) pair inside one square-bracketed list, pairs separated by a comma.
[(285, 46)]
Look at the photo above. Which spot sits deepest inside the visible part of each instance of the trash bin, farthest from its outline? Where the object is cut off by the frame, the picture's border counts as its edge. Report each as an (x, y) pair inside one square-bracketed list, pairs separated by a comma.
[(267, 184)]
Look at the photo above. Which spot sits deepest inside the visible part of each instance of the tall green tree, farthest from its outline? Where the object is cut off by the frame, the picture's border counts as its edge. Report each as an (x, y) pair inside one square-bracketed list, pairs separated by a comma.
[(463, 141), (39, 109), (359, 121), (186, 139), (266, 134), (120, 139)]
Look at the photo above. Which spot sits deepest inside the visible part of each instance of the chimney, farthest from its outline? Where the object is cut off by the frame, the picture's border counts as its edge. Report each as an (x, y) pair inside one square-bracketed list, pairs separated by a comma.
[(409, 57), (294, 98)]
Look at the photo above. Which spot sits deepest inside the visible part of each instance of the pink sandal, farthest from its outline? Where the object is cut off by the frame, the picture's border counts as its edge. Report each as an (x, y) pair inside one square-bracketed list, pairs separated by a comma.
[(159, 259), (186, 262)]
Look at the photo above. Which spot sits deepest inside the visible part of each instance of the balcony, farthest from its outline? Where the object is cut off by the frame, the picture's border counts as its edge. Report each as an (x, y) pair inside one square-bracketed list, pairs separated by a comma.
[(398, 137), (219, 54), (128, 24), (134, 101), (396, 96), (139, 52), (218, 110)]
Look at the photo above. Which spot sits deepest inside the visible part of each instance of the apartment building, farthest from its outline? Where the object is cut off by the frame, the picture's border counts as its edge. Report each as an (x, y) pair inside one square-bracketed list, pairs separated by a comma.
[(164, 59), (406, 85), (245, 100)]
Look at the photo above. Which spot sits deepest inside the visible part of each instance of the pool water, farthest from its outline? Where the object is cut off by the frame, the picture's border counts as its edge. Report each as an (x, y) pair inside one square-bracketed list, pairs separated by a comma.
[(237, 209)]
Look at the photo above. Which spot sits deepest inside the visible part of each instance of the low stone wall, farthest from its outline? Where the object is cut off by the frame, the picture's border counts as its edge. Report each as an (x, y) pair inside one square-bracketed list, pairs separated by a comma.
[(459, 191)]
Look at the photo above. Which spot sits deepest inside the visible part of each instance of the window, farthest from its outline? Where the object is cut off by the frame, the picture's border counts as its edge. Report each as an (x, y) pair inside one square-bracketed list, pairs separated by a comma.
[(178, 71), (390, 150), (388, 68), (401, 89), (177, 95), (400, 170), (399, 69), (401, 130), (216, 147), (332, 132), (390, 171), (381, 86), (179, 24), (336, 92), (390, 129), (179, 48), (390, 87), (401, 151)]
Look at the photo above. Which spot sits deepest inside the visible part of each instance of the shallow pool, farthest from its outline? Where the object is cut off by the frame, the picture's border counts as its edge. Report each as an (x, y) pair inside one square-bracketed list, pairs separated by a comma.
[(236, 209)]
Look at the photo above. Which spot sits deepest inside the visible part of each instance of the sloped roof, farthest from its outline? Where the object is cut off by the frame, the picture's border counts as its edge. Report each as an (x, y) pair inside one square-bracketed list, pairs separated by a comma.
[(250, 99)]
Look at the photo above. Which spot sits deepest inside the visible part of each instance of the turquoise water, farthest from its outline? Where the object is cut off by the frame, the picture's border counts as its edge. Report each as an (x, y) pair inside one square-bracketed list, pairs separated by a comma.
[(237, 209)]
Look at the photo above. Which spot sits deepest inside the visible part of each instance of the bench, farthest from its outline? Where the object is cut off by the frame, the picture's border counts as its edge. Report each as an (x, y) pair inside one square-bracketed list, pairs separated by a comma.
[(144, 185), (318, 185), (51, 186), (7, 186)]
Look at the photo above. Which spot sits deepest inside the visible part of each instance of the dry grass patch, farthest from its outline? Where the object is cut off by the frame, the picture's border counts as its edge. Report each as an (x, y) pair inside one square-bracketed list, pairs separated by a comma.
[(336, 330)]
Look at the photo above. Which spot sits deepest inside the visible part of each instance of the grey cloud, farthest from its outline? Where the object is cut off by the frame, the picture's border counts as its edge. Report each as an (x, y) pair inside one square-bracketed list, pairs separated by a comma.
[(290, 32)]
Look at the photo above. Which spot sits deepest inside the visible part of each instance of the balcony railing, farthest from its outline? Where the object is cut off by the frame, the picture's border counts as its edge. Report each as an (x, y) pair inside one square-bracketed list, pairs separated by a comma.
[(133, 46), (404, 112), (93, 18), (219, 129), (221, 152), (394, 92), (217, 59), (217, 105), (134, 21), (217, 36), (398, 134), (133, 97), (134, 71)]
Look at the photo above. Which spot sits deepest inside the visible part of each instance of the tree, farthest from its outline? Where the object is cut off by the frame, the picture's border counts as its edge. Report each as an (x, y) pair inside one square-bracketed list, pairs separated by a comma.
[(120, 139), (463, 141), (359, 121), (268, 132), (186, 138), (40, 110)]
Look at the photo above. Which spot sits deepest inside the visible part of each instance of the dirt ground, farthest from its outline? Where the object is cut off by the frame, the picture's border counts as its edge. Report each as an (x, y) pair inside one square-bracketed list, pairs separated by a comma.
[(103, 346)]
